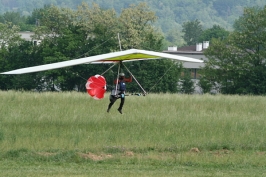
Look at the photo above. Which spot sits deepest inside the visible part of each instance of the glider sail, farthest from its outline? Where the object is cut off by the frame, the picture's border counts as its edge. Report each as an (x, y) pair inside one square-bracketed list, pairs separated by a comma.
[(127, 55)]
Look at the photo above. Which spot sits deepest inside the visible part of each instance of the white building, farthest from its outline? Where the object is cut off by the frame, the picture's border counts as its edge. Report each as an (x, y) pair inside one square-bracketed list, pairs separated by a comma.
[(27, 35), (194, 51)]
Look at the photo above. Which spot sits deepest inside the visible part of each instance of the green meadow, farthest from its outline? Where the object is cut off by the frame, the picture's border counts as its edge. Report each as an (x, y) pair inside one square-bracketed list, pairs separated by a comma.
[(71, 134)]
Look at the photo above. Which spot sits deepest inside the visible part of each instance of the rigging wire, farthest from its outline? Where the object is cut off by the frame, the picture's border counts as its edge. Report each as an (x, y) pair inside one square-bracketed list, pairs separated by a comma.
[(87, 53), (159, 80), (144, 92), (94, 48), (108, 69), (75, 73), (116, 85)]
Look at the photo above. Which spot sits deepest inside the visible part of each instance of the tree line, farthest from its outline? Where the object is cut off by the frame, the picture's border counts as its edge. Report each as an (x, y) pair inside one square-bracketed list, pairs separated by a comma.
[(235, 58)]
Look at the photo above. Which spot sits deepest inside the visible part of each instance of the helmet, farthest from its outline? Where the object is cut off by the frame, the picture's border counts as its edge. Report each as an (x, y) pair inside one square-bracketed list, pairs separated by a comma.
[(122, 74)]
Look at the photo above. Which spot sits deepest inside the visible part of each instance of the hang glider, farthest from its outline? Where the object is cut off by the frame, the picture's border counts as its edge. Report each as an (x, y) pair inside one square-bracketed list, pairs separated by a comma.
[(121, 56)]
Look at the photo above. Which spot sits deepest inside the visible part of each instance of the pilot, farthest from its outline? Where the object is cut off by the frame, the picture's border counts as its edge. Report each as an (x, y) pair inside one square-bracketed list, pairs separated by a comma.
[(120, 92)]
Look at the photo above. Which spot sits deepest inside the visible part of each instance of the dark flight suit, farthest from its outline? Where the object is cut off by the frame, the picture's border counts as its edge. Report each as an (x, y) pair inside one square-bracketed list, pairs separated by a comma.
[(120, 93)]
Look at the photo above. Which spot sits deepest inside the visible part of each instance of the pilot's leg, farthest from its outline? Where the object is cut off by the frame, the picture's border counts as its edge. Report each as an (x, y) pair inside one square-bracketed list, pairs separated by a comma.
[(112, 101), (121, 104)]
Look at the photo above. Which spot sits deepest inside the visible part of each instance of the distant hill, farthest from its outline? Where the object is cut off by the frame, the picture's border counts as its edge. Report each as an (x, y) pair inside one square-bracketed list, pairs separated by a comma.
[(171, 13)]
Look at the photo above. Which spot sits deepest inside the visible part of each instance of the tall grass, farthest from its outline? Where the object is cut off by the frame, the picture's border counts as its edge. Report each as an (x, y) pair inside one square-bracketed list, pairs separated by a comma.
[(58, 134), (163, 122)]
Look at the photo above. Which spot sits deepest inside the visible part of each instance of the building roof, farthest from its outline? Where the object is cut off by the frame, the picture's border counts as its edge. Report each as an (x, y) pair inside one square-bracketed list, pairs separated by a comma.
[(187, 48), (188, 51)]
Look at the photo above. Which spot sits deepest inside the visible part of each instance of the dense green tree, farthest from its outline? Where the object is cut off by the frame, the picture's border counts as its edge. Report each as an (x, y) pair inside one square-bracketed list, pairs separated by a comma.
[(23, 55), (16, 19), (96, 22), (186, 83), (205, 85), (19, 55), (192, 31), (173, 38), (8, 34), (37, 14), (135, 24), (155, 75), (215, 32), (8, 45), (237, 64), (13, 17)]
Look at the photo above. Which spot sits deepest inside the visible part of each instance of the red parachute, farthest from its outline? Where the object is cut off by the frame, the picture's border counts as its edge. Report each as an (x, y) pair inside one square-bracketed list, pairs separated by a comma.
[(96, 86)]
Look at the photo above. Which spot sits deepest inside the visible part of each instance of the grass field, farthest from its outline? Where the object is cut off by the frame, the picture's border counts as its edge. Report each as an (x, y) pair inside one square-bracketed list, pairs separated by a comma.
[(70, 134)]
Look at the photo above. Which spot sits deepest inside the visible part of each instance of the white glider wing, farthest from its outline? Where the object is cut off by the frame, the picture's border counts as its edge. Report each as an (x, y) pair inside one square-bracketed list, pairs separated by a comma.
[(127, 55)]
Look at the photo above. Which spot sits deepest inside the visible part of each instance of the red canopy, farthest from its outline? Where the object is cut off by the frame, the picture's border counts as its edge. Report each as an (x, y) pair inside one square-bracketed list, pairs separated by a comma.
[(96, 86)]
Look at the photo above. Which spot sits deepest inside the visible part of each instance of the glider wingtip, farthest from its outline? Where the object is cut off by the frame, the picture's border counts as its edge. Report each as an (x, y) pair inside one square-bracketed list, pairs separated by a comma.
[(10, 73)]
